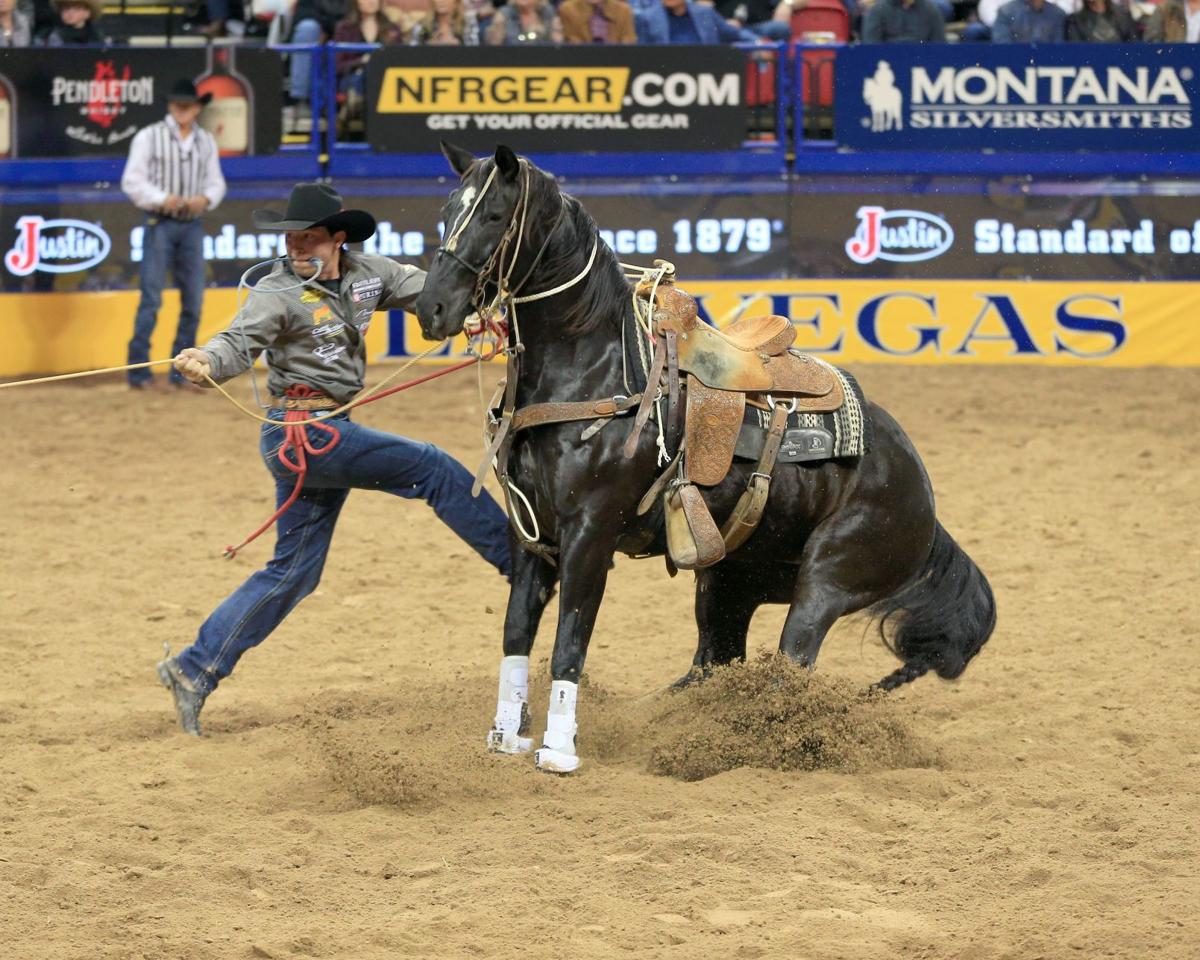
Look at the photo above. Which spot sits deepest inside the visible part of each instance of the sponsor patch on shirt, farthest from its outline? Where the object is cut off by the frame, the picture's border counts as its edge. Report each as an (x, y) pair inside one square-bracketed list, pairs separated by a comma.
[(364, 314), (329, 352), (310, 296), (327, 330), (323, 314), (368, 288)]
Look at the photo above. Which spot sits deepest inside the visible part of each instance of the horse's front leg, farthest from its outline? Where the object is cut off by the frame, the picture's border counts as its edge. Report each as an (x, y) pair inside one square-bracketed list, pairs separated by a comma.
[(586, 557), (532, 587)]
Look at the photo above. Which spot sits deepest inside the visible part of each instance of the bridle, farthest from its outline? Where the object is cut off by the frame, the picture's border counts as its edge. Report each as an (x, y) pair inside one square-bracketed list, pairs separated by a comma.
[(497, 270)]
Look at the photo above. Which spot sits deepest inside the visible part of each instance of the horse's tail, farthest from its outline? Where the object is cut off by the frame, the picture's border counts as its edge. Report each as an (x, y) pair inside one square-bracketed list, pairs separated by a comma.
[(942, 619)]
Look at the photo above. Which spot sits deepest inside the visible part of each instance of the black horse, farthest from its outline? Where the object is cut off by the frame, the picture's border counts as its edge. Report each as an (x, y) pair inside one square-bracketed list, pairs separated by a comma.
[(837, 536)]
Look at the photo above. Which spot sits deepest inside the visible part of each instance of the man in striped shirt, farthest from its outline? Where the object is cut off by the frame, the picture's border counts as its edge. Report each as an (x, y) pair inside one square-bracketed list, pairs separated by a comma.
[(174, 174)]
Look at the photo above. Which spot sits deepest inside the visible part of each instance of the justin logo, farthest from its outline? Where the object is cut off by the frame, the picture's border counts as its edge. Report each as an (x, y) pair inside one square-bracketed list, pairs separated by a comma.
[(56, 246), (902, 236)]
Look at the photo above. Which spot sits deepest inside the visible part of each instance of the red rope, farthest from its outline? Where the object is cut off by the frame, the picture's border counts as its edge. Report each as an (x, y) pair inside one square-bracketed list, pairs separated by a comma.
[(295, 437)]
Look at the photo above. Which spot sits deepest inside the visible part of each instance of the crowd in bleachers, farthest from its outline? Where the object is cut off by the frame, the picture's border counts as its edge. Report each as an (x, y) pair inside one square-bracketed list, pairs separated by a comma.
[(499, 22)]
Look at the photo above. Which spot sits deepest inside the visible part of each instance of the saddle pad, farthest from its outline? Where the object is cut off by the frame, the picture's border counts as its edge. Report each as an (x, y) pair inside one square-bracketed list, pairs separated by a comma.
[(819, 436)]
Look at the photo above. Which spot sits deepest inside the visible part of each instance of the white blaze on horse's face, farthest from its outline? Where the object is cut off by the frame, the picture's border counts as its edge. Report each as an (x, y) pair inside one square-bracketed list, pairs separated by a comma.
[(464, 206)]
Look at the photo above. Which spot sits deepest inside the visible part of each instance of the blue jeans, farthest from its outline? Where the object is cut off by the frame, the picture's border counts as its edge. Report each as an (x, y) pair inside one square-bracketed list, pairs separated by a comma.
[(365, 459), (179, 245), (300, 68)]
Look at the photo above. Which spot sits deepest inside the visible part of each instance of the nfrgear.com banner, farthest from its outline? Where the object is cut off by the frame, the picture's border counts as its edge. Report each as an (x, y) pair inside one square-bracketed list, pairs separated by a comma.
[(556, 99)]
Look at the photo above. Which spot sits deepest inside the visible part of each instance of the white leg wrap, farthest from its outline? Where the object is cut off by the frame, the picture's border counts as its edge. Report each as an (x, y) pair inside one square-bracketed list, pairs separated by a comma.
[(558, 752), (511, 701)]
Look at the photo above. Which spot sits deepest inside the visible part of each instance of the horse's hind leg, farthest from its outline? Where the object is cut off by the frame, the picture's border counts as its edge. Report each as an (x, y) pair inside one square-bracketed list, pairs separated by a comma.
[(726, 597), (848, 563), (532, 587)]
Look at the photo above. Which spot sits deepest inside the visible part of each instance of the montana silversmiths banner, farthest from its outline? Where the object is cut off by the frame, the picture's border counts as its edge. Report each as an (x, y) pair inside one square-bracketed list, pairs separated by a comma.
[(1017, 96), (548, 99), (90, 101)]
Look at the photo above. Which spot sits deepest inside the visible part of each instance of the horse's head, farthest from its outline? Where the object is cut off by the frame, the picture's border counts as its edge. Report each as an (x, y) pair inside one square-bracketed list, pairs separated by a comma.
[(482, 220)]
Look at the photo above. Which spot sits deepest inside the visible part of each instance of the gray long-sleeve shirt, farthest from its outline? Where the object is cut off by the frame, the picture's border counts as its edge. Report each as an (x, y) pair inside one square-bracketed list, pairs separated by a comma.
[(313, 336)]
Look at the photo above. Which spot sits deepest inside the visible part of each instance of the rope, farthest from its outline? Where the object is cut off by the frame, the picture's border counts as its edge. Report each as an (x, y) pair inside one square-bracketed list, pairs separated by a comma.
[(83, 373), (295, 437)]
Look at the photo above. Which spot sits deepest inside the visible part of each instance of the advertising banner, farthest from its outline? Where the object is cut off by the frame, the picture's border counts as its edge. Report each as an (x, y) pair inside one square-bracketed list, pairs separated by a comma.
[(89, 242), (844, 321), (556, 99), (89, 102), (1017, 97), (1000, 229)]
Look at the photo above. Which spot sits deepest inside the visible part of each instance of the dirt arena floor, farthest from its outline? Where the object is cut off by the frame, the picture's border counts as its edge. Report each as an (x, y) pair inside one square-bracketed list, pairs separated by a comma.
[(342, 806)]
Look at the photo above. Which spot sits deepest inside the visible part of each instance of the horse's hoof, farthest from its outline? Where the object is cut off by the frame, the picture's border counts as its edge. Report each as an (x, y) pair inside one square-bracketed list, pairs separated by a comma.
[(695, 675), (553, 761), (500, 741)]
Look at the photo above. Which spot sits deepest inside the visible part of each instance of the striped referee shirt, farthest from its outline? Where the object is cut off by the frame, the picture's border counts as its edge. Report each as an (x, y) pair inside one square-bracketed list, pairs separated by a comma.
[(161, 163)]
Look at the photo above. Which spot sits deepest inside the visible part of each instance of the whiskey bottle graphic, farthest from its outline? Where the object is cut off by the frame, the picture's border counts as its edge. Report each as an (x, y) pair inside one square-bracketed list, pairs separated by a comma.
[(229, 116), (8, 119)]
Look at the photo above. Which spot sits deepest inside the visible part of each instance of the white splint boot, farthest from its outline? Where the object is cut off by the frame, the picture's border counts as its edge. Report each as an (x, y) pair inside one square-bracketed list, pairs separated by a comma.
[(512, 708), (557, 754)]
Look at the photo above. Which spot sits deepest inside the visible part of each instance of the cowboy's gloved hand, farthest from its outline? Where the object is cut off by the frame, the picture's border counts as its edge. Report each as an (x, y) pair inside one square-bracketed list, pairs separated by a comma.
[(193, 363)]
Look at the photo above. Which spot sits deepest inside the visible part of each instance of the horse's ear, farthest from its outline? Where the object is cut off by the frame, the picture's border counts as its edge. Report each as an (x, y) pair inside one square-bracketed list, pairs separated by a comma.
[(507, 162), (460, 160)]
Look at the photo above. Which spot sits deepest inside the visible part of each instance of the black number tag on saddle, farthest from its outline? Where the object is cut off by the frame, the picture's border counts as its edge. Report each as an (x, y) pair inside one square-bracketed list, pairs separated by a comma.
[(805, 443), (801, 443)]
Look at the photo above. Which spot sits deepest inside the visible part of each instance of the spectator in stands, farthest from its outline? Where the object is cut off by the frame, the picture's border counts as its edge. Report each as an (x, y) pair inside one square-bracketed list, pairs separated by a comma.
[(76, 24), (903, 21), (313, 22), (1029, 21), (769, 19), (525, 22), (364, 24), (1174, 21), (446, 23), (15, 27), (980, 28), (597, 21), (173, 174), (682, 21), (217, 14), (42, 15), (1100, 21)]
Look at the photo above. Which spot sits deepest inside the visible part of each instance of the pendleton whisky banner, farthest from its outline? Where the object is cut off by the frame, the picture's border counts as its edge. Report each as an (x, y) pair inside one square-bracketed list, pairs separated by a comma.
[(90, 101), (567, 99)]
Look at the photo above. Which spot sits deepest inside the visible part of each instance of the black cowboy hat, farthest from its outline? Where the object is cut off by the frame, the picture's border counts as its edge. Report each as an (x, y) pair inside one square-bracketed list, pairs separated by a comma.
[(317, 205), (184, 91)]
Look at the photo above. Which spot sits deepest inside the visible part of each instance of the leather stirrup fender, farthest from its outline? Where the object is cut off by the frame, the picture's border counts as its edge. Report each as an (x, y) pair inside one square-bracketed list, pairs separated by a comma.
[(750, 506)]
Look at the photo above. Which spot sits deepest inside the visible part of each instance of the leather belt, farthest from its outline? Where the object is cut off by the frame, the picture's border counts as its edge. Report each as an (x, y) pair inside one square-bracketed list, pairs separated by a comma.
[(305, 403)]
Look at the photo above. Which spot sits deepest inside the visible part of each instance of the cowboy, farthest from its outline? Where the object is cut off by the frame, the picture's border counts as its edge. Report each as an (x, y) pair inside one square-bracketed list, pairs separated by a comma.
[(308, 317), (174, 175)]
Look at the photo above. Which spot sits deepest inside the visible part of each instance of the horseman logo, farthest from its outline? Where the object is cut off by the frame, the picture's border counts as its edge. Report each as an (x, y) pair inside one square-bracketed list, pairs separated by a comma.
[(901, 236), (56, 246), (884, 100)]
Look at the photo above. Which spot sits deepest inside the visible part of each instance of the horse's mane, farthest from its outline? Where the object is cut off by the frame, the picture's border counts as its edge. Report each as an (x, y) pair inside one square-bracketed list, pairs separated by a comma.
[(603, 295)]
